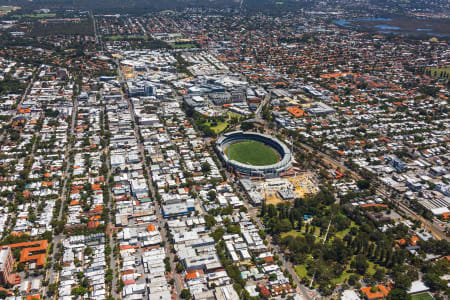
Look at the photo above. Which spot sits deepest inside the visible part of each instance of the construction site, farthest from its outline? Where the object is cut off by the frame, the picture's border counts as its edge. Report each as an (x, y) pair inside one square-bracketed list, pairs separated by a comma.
[(281, 189)]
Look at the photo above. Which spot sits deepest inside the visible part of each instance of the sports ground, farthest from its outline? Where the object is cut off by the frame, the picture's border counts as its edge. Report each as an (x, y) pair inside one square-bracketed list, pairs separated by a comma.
[(423, 296), (252, 153)]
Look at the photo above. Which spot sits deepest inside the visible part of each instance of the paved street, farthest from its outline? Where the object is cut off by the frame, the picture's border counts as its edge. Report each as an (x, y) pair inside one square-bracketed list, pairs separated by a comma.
[(161, 221)]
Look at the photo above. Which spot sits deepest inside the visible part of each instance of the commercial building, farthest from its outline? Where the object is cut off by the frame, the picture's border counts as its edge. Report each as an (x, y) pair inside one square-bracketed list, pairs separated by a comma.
[(6, 264)]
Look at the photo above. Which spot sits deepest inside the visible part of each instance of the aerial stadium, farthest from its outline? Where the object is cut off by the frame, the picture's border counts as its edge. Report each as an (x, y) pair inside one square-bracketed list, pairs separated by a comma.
[(254, 154)]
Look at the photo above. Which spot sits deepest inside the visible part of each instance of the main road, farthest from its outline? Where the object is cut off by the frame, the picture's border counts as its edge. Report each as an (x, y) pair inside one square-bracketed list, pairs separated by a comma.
[(261, 106), (160, 219), (113, 263), (19, 105), (53, 278)]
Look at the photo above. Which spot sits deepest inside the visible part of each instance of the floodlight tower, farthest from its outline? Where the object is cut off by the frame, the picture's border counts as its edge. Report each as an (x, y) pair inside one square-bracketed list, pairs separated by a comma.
[(292, 146)]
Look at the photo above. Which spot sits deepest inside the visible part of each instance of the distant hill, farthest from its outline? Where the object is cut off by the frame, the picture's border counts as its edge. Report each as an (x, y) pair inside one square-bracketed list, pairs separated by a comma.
[(120, 6), (145, 6)]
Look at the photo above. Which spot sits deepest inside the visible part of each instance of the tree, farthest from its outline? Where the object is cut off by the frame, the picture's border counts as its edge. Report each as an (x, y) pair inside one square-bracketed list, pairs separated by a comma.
[(211, 194), (402, 281), (363, 184), (88, 251), (16, 253), (167, 264), (263, 209), (272, 211), (179, 267), (52, 288), (247, 126), (210, 221), (434, 282), (109, 275), (398, 294), (262, 234), (80, 275), (185, 294), (353, 279), (379, 275), (85, 283), (20, 267), (79, 291), (218, 234), (361, 264), (48, 235), (243, 209), (206, 167), (285, 225)]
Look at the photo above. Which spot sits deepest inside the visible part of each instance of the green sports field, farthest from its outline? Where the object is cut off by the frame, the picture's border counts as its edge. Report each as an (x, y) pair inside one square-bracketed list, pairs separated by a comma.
[(439, 72), (423, 296), (252, 153)]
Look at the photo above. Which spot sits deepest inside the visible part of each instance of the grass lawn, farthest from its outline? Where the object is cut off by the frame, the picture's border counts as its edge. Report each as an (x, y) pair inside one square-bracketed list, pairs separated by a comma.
[(252, 153), (423, 296), (36, 16), (113, 37), (44, 16), (439, 71), (343, 233), (293, 233), (371, 269), (136, 37), (47, 251), (183, 46), (5, 8), (344, 276), (232, 114), (120, 37), (301, 271), (221, 126)]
